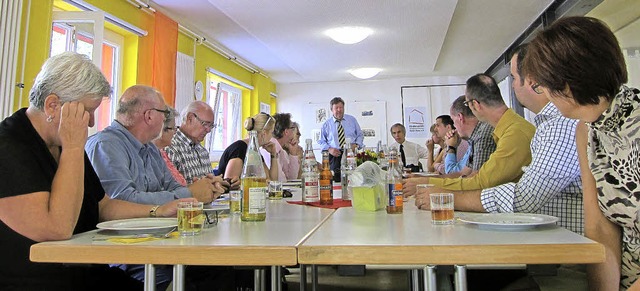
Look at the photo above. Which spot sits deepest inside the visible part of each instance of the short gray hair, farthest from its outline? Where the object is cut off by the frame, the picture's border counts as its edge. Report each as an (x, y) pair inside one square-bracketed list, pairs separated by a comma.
[(401, 126), (192, 108), (171, 116), (458, 107), (71, 77)]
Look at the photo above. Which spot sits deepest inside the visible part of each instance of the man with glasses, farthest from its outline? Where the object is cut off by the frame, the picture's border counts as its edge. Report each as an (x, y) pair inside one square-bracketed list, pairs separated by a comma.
[(186, 151), (512, 135), (130, 166), (478, 134)]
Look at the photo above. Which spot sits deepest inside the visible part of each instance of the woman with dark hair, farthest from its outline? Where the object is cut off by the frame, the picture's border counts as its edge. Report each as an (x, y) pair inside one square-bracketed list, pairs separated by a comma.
[(578, 64)]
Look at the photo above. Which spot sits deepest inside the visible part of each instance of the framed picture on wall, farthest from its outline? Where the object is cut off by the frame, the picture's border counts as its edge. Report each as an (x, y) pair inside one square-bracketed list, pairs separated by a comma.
[(266, 108)]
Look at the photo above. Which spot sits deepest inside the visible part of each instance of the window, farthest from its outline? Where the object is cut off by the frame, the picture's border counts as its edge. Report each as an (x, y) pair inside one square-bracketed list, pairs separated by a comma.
[(72, 32), (226, 102)]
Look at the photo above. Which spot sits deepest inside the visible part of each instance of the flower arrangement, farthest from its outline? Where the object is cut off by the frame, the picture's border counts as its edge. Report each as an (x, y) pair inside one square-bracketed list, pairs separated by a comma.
[(366, 155)]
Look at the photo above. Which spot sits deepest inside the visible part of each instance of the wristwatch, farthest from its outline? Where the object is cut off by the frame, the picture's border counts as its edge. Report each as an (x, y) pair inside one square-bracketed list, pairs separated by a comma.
[(154, 209)]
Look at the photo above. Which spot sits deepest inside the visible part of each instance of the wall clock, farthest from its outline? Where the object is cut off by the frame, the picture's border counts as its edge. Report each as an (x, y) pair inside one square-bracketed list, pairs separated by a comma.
[(198, 90)]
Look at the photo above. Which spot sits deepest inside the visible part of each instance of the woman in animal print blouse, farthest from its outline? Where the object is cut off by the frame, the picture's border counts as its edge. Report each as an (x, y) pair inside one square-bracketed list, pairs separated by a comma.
[(578, 64)]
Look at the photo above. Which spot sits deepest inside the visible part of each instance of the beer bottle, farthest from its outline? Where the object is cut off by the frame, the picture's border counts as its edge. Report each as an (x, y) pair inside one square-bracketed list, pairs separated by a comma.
[(326, 181), (393, 187), (254, 183)]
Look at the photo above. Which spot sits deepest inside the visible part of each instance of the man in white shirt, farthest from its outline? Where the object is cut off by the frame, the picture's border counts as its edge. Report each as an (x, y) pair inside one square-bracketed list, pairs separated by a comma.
[(409, 153)]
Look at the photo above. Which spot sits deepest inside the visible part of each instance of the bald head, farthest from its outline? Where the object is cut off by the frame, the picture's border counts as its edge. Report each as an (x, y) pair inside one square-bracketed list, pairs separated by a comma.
[(135, 100), (141, 109)]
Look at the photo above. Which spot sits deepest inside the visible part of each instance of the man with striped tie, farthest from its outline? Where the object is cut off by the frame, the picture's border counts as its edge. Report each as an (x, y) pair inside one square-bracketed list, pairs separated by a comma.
[(335, 132)]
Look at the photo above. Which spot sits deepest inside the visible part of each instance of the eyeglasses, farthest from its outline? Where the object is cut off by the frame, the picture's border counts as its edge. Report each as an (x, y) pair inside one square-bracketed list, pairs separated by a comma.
[(536, 88), (166, 112), (206, 124), (466, 103)]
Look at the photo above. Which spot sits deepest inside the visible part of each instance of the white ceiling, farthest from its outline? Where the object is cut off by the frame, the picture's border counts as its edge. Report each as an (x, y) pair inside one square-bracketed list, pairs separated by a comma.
[(412, 38)]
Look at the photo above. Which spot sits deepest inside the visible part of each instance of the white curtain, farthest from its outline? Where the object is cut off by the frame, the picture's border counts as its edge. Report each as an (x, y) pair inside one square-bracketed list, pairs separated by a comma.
[(185, 92), (10, 18)]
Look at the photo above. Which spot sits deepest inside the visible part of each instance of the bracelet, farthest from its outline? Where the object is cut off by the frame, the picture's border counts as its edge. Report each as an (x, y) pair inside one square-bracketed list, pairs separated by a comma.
[(154, 209), (274, 156), (451, 148)]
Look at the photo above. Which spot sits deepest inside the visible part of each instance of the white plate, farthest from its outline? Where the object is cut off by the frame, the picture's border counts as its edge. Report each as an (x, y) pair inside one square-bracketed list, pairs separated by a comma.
[(425, 174), (139, 224), (507, 220), (293, 183), (213, 206)]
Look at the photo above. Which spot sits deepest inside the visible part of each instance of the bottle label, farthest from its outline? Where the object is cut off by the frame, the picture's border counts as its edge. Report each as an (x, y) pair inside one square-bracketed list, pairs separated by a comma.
[(311, 191), (325, 188), (395, 194), (257, 200)]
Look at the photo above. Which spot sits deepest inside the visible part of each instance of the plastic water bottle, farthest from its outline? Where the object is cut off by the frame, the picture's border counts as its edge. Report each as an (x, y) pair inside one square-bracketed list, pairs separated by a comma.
[(346, 167)]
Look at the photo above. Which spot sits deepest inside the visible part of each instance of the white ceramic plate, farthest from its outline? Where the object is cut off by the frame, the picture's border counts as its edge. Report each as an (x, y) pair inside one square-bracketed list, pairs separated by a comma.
[(507, 220), (213, 206), (139, 224), (293, 183), (425, 174)]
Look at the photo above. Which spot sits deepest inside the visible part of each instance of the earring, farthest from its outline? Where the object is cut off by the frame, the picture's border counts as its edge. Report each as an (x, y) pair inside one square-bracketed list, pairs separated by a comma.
[(50, 118)]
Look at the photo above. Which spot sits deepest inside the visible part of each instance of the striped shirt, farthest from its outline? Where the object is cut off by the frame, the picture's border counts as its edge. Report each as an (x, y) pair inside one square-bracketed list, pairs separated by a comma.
[(329, 133), (551, 184)]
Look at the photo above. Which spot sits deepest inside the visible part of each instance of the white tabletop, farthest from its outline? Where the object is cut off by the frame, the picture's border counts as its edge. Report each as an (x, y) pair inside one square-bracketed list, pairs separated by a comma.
[(231, 242), (356, 237)]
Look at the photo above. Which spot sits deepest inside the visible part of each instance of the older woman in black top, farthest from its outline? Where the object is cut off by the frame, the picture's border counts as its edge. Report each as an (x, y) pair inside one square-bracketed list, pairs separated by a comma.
[(49, 190)]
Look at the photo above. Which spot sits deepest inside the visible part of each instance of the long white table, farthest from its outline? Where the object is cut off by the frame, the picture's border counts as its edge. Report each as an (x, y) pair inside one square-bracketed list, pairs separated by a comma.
[(232, 242), (355, 237)]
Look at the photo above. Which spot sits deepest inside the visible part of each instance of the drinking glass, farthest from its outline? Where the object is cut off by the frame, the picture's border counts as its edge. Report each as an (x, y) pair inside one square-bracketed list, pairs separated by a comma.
[(191, 218), (235, 198), (441, 208), (275, 190), (420, 189)]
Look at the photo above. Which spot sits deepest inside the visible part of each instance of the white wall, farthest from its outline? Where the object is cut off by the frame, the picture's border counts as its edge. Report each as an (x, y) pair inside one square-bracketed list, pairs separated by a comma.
[(296, 98)]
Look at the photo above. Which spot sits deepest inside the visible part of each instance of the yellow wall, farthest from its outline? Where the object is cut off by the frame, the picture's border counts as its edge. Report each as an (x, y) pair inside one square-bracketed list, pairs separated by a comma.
[(185, 44), (206, 58), (37, 46), (138, 52), (138, 57)]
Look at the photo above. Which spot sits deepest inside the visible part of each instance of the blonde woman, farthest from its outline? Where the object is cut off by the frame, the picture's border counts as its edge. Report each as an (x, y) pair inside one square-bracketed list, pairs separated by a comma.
[(232, 159)]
